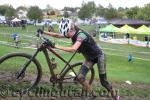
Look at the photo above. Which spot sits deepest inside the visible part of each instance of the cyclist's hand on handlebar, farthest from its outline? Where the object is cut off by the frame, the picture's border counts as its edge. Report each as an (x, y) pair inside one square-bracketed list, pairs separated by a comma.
[(40, 31), (49, 43), (46, 41)]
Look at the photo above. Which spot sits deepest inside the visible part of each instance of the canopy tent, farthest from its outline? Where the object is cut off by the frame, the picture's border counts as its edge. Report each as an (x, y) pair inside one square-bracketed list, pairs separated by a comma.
[(143, 30), (109, 28), (16, 20), (126, 29)]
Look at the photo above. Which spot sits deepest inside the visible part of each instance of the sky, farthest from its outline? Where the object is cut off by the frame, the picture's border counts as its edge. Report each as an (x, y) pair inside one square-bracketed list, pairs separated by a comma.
[(60, 4)]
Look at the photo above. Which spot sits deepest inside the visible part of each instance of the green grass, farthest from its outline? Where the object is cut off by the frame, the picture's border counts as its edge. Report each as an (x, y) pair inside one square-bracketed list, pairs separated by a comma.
[(118, 68)]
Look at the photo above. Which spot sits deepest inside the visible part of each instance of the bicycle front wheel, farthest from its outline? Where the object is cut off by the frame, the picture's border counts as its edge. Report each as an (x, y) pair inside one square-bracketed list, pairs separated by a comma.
[(12, 64)]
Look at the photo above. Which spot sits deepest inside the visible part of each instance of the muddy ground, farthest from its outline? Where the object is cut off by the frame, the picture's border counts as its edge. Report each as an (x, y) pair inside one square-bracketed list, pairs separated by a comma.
[(135, 91)]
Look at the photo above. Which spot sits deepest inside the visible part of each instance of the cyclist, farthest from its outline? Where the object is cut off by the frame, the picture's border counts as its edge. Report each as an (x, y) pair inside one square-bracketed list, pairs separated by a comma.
[(85, 44)]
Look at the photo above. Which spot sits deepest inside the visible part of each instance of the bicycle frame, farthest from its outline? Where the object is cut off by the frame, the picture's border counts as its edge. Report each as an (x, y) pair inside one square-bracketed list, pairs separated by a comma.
[(44, 49), (61, 58)]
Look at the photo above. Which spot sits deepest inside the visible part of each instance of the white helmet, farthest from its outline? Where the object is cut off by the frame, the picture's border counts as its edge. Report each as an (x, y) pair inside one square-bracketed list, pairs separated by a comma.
[(65, 26)]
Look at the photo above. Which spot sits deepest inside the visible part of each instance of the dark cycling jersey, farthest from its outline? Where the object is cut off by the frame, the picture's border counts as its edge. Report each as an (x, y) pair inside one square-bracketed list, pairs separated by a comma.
[(88, 48)]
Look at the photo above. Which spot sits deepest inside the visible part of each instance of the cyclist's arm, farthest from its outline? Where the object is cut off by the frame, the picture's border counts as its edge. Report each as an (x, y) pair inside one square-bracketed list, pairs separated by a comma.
[(70, 49), (81, 37), (54, 34)]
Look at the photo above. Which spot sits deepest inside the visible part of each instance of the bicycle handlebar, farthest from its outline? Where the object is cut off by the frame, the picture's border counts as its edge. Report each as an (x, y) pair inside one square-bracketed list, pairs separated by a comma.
[(44, 39)]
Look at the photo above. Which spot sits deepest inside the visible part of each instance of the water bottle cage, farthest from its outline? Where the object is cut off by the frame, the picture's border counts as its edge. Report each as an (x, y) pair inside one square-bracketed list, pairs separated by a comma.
[(53, 63)]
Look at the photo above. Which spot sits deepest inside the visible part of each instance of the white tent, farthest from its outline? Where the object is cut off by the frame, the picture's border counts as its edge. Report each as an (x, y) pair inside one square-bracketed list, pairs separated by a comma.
[(16, 20)]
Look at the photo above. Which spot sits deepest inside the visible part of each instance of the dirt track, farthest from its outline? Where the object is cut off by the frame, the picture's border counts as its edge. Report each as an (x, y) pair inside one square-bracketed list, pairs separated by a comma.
[(135, 91), (127, 92)]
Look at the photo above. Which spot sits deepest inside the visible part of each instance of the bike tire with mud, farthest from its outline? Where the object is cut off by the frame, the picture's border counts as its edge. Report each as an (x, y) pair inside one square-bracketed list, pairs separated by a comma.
[(10, 64)]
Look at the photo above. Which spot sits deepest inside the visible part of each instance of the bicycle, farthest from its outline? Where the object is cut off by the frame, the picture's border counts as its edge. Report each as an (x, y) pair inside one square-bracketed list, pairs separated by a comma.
[(20, 74)]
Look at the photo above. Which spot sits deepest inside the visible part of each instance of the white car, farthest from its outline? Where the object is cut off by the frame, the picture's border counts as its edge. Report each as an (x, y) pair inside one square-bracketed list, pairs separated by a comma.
[(54, 23), (40, 24), (31, 22)]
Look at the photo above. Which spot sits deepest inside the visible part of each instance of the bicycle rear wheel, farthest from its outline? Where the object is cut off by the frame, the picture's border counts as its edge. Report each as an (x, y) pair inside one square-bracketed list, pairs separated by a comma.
[(69, 77), (10, 66)]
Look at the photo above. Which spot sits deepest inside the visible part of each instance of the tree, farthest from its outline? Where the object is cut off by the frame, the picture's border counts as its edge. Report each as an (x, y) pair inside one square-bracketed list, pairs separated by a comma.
[(21, 8), (48, 10), (145, 12), (35, 13), (132, 12), (110, 12), (110, 6), (83, 13), (100, 11), (7, 10), (3, 9), (69, 9), (87, 10), (10, 12), (140, 14), (66, 15), (121, 12), (52, 12)]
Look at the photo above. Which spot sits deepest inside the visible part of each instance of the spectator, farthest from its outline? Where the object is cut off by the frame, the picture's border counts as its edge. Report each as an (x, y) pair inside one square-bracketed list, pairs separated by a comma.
[(17, 42), (14, 36), (127, 36), (23, 24), (130, 57)]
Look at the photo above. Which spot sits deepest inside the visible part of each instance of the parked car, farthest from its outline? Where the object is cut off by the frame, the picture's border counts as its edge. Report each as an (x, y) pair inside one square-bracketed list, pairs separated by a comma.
[(40, 23), (2, 20), (54, 22), (30, 22)]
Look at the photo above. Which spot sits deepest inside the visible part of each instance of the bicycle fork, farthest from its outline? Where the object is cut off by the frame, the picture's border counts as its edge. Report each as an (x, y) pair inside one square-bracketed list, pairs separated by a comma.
[(26, 64)]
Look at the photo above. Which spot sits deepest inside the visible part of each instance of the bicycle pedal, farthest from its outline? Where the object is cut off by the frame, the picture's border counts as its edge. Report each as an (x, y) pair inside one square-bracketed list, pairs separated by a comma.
[(53, 79), (75, 80), (53, 85), (60, 86)]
